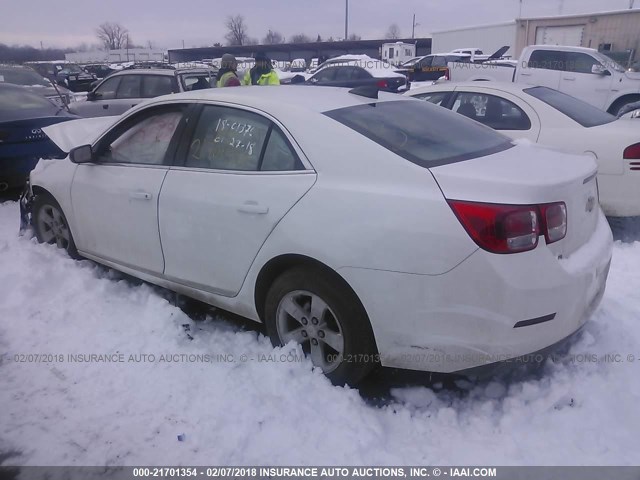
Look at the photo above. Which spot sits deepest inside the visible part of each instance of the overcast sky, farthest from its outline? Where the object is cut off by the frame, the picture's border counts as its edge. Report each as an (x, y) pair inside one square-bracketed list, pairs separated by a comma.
[(166, 23)]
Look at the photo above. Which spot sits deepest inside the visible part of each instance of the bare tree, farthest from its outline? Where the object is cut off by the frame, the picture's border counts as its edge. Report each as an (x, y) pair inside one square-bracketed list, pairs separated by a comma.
[(299, 38), (273, 38), (113, 36), (353, 36), (319, 39), (394, 32), (237, 30)]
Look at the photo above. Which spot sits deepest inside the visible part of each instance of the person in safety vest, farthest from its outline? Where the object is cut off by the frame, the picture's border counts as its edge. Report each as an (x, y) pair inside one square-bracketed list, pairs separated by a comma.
[(262, 73), (227, 76)]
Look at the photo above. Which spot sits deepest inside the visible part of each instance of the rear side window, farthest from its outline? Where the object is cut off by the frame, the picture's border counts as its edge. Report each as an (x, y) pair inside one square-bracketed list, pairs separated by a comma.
[(156, 85), (492, 111), (579, 111), (420, 132), (437, 98)]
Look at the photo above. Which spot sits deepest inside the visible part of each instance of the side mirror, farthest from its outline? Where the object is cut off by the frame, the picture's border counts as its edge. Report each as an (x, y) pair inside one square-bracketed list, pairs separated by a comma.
[(600, 70), (81, 154), (92, 95)]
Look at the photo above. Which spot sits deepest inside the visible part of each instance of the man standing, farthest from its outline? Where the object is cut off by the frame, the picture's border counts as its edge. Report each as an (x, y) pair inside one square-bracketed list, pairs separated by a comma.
[(262, 73), (227, 76)]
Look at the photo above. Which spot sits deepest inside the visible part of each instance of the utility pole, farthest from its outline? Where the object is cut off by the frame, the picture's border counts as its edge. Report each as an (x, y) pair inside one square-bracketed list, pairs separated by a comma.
[(346, 20), (520, 11), (413, 26)]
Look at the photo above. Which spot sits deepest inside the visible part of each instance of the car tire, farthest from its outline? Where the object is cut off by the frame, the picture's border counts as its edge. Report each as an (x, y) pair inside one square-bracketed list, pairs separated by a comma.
[(318, 310), (50, 224)]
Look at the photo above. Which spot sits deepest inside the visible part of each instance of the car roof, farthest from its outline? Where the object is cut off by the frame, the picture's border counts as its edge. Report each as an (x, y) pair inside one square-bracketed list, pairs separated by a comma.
[(283, 98), (144, 71), (563, 48)]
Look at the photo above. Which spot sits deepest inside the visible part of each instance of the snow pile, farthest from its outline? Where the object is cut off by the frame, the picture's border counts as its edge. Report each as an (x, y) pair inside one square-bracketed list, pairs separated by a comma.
[(103, 411)]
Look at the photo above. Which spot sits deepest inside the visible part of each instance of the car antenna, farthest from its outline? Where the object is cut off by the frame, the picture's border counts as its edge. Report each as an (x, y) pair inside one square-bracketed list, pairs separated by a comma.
[(365, 91), (60, 95)]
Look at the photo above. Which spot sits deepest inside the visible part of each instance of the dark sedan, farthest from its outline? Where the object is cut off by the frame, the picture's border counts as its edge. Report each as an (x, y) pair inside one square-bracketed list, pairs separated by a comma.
[(22, 142), (350, 74), (35, 83)]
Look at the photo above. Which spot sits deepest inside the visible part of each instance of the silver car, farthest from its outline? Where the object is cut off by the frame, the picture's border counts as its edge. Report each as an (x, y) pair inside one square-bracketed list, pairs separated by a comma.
[(122, 90)]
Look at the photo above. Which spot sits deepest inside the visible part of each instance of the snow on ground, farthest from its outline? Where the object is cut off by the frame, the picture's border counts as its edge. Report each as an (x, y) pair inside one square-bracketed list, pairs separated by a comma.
[(252, 412)]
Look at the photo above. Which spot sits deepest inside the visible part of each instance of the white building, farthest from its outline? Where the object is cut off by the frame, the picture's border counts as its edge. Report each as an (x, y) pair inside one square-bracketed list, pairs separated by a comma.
[(615, 31), (115, 56)]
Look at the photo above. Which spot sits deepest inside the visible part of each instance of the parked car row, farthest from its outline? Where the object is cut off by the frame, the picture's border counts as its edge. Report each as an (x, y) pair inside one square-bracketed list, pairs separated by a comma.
[(581, 72), (552, 118), (22, 142)]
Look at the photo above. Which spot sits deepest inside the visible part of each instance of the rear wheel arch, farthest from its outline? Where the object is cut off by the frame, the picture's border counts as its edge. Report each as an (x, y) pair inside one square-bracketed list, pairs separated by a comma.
[(620, 102), (280, 264)]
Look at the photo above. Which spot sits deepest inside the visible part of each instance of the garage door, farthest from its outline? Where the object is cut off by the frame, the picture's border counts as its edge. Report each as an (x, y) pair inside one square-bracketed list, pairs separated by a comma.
[(565, 35)]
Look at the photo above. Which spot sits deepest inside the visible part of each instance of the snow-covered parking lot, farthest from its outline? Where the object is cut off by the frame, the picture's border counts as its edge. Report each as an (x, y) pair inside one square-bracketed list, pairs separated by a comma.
[(157, 374)]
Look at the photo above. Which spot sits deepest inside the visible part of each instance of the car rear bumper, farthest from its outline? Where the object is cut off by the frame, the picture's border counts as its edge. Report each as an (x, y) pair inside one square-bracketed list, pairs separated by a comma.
[(488, 309)]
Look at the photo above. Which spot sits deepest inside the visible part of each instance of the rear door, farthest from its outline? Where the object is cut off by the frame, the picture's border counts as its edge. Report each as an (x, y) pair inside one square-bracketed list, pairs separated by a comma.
[(236, 175)]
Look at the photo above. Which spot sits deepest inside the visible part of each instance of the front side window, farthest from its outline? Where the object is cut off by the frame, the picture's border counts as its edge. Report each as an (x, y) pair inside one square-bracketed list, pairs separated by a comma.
[(325, 75), (144, 140), (129, 86), (581, 112), (492, 111), (420, 132), (580, 62), (156, 85), (107, 90), (547, 60)]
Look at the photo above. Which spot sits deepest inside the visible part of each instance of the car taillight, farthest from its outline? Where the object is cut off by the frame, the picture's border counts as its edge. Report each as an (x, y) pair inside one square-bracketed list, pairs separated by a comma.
[(632, 152), (446, 74), (554, 216), (382, 84), (511, 228)]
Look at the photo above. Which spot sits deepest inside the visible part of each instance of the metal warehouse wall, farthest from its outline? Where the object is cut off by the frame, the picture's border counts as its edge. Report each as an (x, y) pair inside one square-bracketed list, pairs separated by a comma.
[(621, 29), (488, 38), (287, 51)]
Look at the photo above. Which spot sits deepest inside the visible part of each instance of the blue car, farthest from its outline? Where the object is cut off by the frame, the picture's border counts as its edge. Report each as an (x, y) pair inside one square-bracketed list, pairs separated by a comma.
[(22, 142)]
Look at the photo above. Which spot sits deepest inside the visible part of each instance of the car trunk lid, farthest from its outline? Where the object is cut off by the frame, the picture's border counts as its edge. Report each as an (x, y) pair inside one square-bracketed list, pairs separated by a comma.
[(530, 175)]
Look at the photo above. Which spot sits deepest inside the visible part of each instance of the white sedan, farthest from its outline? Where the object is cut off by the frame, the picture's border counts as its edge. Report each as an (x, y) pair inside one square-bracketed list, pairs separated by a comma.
[(358, 227), (552, 118)]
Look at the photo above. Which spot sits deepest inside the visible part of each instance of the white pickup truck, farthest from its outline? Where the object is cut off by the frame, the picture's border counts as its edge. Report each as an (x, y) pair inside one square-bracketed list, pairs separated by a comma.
[(581, 72)]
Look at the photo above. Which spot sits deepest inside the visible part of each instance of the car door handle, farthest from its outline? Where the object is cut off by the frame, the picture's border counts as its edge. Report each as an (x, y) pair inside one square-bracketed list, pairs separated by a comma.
[(571, 79), (253, 207), (140, 195), (526, 74), (105, 106)]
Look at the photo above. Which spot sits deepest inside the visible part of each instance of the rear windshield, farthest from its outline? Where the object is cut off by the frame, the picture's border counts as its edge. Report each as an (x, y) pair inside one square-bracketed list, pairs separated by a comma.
[(579, 111), (14, 103), (22, 76), (425, 134)]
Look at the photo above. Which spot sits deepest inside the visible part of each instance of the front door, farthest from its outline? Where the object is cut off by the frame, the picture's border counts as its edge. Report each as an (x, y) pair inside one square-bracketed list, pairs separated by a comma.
[(115, 198)]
